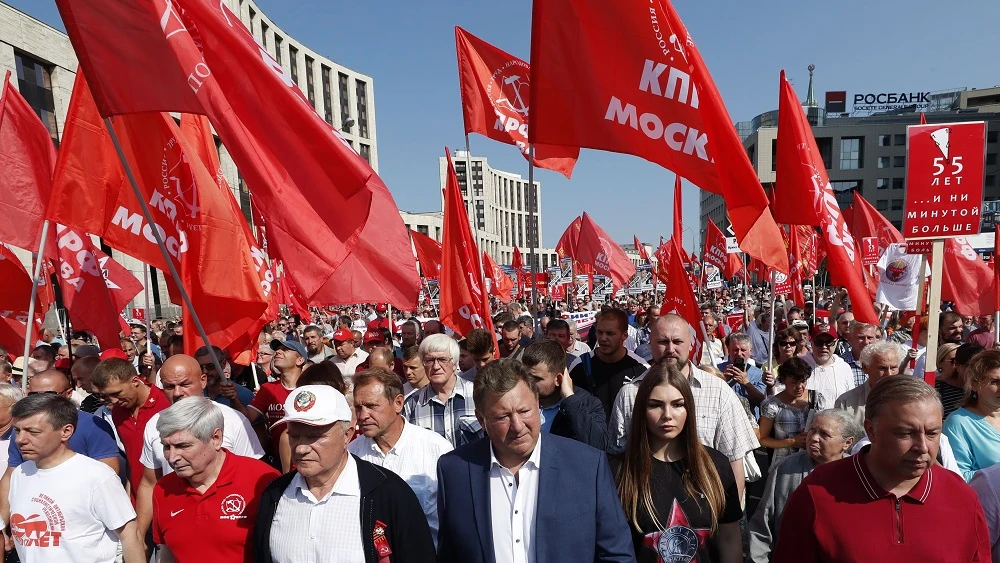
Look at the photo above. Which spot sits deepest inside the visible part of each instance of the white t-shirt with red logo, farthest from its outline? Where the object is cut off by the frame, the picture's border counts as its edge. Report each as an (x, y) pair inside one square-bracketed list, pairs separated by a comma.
[(65, 514)]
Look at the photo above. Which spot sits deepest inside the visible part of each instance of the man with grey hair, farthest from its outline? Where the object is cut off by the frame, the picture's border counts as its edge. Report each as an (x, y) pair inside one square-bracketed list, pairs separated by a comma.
[(909, 508), (828, 438), (445, 405), (211, 493), (879, 360), (65, 506)]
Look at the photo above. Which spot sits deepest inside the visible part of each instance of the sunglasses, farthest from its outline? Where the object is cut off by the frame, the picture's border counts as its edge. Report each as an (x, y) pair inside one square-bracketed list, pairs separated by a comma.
[(788, 343), (824, 344)]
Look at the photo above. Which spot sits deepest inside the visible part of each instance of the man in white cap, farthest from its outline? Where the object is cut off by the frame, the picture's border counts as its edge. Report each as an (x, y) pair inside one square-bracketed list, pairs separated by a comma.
[(368, 513)]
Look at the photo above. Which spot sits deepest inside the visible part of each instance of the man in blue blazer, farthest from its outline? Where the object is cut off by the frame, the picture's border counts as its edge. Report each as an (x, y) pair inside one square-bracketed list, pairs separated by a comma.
[(521, 495)]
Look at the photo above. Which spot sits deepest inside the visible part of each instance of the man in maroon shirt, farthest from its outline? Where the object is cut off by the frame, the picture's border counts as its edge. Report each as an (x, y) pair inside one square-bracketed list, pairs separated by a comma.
[(891, 501)]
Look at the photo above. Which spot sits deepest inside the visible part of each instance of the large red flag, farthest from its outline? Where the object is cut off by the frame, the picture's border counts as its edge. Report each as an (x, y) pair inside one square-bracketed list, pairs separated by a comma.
[(678, 213), (844, 256), (626, 77), (566, 247), (94, 302), (596, 248), (27, 158), (714, 251), (428, 254), (322, 200), (464, 305), (205, 236), (680, 298), (967, 280), (495, 92), (500, 283), (866, 221)]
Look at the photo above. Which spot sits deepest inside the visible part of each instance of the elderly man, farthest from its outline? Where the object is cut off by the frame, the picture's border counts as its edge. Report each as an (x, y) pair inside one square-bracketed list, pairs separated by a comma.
[(211, 493), (522, 494), (831, 376), (861, 335), (829, 437), (722, 421), (317, 350), (880, 360), (388, 441), (909, 508), (348, 357), (65, 506), (445, 405), (334, 502), (746, 379)]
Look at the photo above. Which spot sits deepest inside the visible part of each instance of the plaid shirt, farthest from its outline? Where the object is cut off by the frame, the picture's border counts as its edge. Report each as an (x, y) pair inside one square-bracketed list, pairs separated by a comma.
[(860, 377), (455, 419)]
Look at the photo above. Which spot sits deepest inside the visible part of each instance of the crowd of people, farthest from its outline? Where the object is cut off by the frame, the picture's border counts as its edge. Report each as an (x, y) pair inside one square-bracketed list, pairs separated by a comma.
[(374, 435)]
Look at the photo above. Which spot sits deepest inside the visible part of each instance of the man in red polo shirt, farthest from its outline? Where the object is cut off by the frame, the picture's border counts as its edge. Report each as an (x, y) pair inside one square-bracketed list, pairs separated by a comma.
[(205, 509), (133, 402), (891, 501)]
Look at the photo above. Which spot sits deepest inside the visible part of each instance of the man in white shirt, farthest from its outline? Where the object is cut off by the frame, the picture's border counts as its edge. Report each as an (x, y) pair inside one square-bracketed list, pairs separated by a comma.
[(389, 441), (348, 357), (65, 506), (831, 376), (181, 376)]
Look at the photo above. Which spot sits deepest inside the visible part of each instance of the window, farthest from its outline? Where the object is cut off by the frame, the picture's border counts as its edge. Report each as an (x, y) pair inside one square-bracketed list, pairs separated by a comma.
[(345, 102), (520, 230), (897, 205), (293, 63), (244, 193), (437, 234), (310, 82), (884, 140), (899, 139), (361, 91), (897, 183), (847, 186), (263, 34), (850, 153), (518, 200), (991, 158), (422, 229), (898, 161), (366, 152), (277, 48), (774, 155), (992, 136), (883, 162), (882, 204), (253, 19), (825, 146), (34, 82), (882, 184), (327, 94)]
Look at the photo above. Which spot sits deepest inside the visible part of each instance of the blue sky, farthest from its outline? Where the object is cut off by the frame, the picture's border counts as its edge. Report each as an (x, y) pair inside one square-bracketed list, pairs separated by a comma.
[(408, 48)]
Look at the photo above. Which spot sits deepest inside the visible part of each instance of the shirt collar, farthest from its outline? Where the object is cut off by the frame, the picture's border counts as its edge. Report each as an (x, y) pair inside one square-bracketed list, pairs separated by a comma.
[(347, 483), (399, 447), (429, 392), (918, 493), (534, 460)]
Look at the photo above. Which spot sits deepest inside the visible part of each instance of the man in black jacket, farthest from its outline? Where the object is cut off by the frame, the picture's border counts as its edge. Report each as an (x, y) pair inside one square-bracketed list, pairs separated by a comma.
[(567, 411), (365, 512)]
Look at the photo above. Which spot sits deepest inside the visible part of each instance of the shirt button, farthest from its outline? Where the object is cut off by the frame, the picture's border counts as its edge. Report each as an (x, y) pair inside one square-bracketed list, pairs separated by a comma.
[(517, 541), (510, 484), (515, 512)]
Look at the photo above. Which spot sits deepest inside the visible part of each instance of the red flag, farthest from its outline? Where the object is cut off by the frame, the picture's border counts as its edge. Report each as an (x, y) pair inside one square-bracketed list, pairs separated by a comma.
[(808, 250), (680, 299), (205, 236), (734, 265), (290, 296), (27, 158), (597, 248), (996, 273), (597, 83), (844, 257), (16, 282), (495, 92), (428, 254), (322, 200), (678, 213), (866, 221), (500, 283), (516, 261), (923, 119), (640, 248), (714, 250), (94, 302), (464, 305), (566, 247), (967, 280), (13, 328), (796, 199), (795, 274)]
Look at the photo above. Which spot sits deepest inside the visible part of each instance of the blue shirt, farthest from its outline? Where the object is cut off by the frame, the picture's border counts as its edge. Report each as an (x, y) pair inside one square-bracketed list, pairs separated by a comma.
[(242, 393), (973, 440), (756, 376), (93, 438), (549, 415)]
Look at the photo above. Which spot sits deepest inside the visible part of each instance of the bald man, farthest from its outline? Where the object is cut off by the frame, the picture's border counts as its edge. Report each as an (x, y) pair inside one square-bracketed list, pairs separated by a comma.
[(722, 421), (181, 376)]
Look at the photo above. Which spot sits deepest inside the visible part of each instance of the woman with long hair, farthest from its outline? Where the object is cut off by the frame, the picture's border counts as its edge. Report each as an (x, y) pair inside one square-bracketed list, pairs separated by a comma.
[(679, 496), (949, 383), (974, 430)]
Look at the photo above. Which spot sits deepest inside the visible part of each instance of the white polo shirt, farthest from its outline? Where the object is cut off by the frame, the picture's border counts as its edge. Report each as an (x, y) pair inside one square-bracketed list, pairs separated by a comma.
[(349, 366)]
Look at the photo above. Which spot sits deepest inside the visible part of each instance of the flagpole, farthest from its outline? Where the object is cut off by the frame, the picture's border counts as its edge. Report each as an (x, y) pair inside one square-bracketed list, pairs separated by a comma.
[(770, 330), (29, 328), (746, 289), (531, 215), (145, 284), (159, 242), (815, 295)]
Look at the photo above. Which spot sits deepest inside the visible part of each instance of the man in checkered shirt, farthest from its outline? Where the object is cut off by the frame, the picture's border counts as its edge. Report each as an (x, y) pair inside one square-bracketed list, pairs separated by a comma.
[(723, 423), (445, 405)]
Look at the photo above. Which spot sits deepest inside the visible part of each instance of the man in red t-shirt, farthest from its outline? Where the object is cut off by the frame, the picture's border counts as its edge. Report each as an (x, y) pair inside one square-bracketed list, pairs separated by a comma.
[(380, 320), (134, 402), (213, 494), (289, 357), (891, 502)]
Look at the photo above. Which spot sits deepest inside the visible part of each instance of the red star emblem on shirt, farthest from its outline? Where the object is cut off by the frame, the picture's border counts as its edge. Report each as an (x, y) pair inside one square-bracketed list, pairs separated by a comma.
[(678, 543)]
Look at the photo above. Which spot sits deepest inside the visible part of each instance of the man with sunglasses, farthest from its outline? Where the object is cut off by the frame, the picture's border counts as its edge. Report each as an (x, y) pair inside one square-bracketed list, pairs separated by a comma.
[(831, 376)]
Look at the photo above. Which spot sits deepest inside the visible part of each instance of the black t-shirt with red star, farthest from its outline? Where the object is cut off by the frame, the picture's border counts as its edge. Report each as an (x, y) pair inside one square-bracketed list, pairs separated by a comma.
[(687, 522)]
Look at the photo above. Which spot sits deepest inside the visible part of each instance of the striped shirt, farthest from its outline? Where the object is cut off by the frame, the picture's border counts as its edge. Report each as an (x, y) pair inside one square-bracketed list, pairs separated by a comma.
[(454, 419)]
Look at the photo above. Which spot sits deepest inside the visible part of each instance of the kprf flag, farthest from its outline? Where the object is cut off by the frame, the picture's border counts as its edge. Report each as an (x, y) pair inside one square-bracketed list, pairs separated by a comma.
[(899, 278), (322, 201), (625, 76), (464, 305), (596, 248), (496, 89), (680, 298), (428, 254), (500, 284), (809, 172), (714, 251)]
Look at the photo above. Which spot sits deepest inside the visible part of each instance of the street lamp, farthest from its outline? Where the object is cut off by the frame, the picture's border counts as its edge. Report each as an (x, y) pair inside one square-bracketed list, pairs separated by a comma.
[(346, 126)]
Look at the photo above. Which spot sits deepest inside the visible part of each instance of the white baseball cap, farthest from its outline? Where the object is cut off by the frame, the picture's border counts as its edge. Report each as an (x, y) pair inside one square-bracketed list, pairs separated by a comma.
[(316, 405)]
